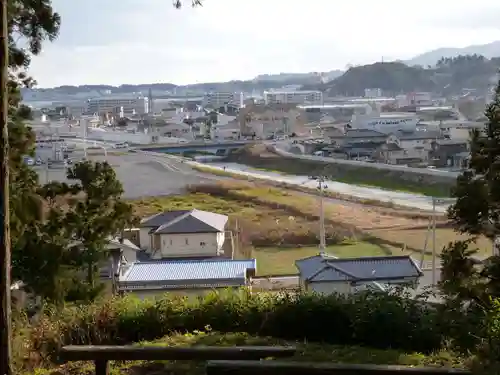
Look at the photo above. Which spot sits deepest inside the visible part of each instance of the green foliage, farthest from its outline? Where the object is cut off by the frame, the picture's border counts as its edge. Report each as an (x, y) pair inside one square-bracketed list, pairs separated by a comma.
[(476, 212), (362, 319), (99, 215)]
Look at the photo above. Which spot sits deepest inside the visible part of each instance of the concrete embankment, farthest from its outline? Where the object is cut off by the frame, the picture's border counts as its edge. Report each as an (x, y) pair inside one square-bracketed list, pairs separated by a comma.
[(405, 179)]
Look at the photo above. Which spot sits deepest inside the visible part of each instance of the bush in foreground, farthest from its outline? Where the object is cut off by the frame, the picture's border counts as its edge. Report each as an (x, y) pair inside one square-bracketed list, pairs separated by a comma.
[(373, 319)]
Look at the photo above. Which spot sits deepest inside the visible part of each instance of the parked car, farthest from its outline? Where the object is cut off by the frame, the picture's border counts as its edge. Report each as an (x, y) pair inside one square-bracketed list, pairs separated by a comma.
[(120, 145), (29, 161)]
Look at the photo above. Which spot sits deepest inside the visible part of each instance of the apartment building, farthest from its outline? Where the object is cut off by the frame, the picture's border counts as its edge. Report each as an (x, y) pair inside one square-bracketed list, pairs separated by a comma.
[(293, 97), (138, 105), (266, 120), (220, 99)]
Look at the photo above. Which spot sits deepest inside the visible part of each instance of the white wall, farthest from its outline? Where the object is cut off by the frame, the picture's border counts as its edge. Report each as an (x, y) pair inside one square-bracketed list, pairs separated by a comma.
[(340, 287), (196, 244), (144, 238)]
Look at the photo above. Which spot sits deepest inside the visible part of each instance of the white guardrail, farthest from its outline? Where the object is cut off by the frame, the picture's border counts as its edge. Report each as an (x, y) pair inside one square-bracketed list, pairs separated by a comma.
[(421, 171)]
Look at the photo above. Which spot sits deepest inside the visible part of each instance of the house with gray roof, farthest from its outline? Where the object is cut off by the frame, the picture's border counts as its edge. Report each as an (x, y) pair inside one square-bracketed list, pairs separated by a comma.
[(327, 274), (185, 277), (183, 233)]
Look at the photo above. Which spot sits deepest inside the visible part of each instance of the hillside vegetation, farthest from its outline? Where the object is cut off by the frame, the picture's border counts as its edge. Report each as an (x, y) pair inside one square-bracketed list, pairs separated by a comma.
[(449, 75)]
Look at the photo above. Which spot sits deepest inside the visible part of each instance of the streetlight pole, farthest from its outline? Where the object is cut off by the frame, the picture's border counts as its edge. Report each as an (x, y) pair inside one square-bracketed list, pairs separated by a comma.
[(5, 322)]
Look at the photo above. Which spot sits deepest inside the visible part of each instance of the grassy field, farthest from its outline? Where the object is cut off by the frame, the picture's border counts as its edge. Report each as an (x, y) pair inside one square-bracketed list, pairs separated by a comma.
[(275, 218), (281, 260), (305, 353)]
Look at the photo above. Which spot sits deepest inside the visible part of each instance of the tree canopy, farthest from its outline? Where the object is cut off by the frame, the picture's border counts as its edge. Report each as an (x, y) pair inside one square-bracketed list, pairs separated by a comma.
[(46, 221), (476, 212)]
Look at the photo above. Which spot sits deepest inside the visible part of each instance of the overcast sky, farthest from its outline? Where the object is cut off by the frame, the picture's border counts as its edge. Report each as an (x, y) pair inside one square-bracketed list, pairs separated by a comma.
[(146, 41)]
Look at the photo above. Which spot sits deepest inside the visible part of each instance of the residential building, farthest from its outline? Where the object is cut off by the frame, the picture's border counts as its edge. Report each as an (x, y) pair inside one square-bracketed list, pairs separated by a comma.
[(414, 139), (127, 251), (216, 100), (184, 233), (293, 97), (392, 153), (267, 120), (449, 153), (116, 105), (314, 115), (326, 274), (185, 277), (356, 136)]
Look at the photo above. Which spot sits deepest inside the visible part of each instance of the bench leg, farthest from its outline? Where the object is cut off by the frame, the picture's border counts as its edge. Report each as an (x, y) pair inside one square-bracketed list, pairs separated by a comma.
[(101, 367)]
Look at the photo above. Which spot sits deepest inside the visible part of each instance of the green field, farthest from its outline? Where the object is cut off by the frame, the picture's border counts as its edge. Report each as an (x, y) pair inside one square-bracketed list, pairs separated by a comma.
[(281, 260)]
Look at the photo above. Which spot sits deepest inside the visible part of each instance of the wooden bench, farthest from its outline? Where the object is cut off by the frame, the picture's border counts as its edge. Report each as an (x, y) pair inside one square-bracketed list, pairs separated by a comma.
[(305, 368), (101, 355)]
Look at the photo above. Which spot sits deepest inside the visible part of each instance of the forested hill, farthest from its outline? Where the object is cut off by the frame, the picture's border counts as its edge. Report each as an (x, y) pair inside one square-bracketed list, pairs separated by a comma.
[(449, 76)]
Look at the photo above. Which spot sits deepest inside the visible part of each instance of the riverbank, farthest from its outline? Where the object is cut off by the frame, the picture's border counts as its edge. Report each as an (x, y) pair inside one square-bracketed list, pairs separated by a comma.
[(262, 158), (361, 194)]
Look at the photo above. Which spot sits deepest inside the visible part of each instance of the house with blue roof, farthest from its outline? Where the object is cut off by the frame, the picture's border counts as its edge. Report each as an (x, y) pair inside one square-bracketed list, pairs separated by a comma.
[(185, 277), (183, 234), (327, 274)]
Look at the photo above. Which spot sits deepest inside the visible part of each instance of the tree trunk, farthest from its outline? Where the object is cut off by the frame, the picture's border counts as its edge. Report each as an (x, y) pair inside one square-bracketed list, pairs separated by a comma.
[(5, 315), (90, 274)]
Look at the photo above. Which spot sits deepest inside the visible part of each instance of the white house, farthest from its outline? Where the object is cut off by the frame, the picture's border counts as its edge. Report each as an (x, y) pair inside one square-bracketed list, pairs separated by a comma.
[(327, 274), (180, 234)]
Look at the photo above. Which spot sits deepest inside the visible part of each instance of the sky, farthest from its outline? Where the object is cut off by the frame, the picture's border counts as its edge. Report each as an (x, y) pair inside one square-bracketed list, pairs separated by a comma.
[(148, 41)]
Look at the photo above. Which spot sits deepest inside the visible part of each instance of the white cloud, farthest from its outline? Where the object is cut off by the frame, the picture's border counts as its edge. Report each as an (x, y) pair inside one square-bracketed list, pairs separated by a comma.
[(134, 41)]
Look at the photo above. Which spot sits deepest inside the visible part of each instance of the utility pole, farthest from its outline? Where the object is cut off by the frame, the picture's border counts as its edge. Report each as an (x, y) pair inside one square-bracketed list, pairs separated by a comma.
[(5, 312), (322, 234), (433, 241)]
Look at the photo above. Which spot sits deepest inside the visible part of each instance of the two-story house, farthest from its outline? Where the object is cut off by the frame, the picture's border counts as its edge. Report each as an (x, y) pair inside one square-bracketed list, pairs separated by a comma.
[(184, 233)]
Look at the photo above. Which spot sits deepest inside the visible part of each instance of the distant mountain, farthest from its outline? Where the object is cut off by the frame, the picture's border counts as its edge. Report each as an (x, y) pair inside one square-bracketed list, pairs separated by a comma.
[(489, 51), (450, 76), (284, 77), (259, 83)]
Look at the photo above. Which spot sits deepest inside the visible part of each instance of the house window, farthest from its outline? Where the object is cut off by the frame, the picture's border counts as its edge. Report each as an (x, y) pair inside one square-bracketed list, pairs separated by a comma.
[(187, 242), (170, 242), (202, 243)]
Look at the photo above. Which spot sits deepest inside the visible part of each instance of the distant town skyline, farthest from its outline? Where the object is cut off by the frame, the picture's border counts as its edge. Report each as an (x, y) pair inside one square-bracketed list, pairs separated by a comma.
[(147, 41)]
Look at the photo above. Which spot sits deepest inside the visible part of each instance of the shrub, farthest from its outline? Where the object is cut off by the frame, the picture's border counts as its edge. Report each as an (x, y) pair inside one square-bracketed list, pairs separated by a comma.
[(370, 319)]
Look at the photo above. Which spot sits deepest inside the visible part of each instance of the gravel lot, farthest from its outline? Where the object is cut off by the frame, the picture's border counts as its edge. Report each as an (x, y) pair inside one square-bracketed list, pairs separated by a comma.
[(142, 176)]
